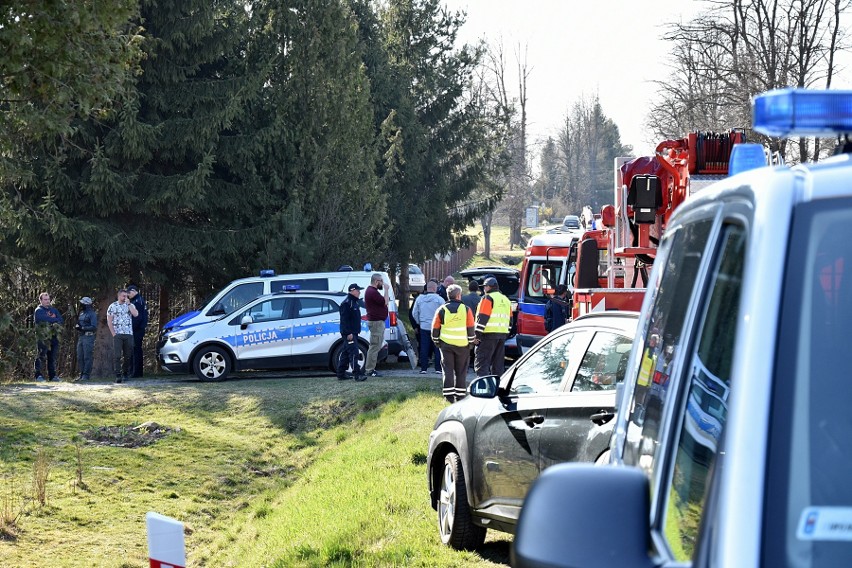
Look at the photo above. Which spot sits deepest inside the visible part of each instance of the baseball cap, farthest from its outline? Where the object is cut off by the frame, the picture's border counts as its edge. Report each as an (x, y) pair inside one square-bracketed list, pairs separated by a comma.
[(490, 281), (85, 300), (354, 286), (132, 288)]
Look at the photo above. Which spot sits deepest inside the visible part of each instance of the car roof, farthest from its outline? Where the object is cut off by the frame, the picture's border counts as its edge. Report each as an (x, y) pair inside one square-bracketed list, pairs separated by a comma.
[(495, 270)]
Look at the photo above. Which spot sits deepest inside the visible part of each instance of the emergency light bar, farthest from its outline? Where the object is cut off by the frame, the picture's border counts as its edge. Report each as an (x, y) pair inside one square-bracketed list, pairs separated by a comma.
[(291, 288), (803, 112), (747, 157)]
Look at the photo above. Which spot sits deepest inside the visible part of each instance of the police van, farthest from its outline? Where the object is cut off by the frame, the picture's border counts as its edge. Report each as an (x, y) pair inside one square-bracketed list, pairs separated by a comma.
[(243, 290), (732, 447), (289, 329)]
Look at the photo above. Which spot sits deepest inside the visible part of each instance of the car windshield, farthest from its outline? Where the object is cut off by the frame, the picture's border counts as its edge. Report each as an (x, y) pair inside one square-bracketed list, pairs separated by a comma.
[(809, 494), (414, 269)]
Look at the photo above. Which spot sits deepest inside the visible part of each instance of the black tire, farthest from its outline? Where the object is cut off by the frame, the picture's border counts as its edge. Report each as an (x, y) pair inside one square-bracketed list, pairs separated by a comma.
[(455, 521), (338, 352), (211, 364)]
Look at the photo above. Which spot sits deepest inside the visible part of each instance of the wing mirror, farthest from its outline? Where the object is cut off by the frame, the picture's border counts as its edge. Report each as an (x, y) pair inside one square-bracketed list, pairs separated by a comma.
[(244, 323), (484, 387)]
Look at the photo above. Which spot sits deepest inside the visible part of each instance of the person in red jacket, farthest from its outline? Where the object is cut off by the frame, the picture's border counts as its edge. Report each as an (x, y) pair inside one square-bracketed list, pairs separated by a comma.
[(376, 302)]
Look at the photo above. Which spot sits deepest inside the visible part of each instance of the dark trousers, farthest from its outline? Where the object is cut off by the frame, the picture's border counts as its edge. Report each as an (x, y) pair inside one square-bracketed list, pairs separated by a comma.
[(48, 350), (138, 337), (85, 352), (348, 358), (490, 357), (427, 348), (454, 361), (122, 353)]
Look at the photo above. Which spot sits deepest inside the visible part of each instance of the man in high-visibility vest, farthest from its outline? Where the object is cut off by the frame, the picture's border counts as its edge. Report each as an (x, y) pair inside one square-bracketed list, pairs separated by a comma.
[(493, 316), (452, 332)]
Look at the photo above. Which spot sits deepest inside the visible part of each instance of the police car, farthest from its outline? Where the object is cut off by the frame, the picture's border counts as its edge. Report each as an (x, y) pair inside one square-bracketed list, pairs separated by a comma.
[(736, 451), (285, 330)]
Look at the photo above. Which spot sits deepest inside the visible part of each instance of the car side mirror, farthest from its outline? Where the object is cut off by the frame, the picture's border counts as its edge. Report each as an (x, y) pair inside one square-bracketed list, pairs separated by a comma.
[(569, 505), (484, 387), (218, 310), (244, 323)]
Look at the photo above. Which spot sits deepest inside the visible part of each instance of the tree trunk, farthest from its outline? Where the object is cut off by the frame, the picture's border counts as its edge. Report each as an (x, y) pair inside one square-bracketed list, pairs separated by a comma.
[(404, 292), (486, 233)]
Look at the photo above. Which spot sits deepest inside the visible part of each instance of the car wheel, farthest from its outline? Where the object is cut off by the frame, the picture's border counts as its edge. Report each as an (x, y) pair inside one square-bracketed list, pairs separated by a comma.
[(338, 352), (455, 521), (211, 364)]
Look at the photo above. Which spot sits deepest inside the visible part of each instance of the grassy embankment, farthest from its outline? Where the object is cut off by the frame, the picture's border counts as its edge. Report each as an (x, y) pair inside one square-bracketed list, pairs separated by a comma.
[(265, 472)]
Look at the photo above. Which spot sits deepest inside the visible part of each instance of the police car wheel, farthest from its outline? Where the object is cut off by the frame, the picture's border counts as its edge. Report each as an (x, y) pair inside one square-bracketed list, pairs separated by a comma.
[(212, 364), (338, 353)]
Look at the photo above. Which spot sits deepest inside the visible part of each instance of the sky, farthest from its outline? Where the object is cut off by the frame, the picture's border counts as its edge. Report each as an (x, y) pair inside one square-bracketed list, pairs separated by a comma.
[(575, 49)]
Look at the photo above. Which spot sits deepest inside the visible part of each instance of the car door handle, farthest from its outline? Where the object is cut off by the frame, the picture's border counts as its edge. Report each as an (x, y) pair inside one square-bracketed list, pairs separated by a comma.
[(602, 417), (534, 419)]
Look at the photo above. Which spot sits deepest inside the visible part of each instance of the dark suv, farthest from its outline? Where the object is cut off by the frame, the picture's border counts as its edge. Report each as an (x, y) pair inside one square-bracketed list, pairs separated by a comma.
[(554, 405), (509, 280)]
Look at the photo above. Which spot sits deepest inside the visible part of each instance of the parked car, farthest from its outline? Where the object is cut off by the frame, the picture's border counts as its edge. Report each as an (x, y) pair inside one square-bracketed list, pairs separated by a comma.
[(733, 446), (275, 331), (509, 280), (553, 405), (416, 279)]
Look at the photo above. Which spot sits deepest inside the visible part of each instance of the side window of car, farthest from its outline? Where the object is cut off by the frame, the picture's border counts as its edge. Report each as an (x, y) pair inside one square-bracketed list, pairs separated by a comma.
[(604, 363), (239, 296), (667, 316), (706, 407), (312, 307), (270, 310), (543, 370)]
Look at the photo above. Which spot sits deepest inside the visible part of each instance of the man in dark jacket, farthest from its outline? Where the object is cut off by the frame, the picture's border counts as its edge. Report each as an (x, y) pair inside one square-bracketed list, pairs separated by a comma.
[(140, 322), (87, 325), (556, 310), (48, 322), (350, 327)]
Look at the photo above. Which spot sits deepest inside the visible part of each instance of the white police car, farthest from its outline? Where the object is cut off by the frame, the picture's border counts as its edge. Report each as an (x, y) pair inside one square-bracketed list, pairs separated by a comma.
[(737, 450), (284, 330)]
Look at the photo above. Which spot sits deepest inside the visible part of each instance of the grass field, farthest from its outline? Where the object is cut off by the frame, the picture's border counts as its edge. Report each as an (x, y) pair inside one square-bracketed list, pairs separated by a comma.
[(302, 471)]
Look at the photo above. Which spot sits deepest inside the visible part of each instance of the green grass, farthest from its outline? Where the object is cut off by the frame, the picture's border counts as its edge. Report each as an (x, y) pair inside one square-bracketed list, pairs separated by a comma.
[(264, 472)]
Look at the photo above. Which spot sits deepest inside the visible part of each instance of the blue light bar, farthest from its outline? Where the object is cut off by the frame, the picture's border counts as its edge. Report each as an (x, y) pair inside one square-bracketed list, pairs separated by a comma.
[(747, 157), (291, 288), (266, 273), (803, 112)]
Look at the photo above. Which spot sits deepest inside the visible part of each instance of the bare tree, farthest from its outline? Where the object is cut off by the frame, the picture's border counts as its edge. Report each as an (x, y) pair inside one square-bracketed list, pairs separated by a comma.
[(517, 181), (739, 48)]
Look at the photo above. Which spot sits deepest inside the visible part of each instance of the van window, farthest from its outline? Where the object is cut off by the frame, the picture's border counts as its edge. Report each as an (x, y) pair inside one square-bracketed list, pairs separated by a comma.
[(302, 283), (236, 298), (311, 307), (663, 339), (706, 411), (809, 494), (541, 280)]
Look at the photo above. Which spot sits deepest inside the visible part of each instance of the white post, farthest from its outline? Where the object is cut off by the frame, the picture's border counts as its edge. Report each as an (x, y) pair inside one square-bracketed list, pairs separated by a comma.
[(165, 542)]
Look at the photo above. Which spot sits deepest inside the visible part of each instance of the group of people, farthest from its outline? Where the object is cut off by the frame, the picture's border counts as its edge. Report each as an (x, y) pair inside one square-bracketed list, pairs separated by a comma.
[(127, 319), (448, 324)]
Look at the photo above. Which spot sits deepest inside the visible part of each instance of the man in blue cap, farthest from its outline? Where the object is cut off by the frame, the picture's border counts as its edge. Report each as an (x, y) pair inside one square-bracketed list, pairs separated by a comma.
[(87, 326), (140, 322), (350, 327)]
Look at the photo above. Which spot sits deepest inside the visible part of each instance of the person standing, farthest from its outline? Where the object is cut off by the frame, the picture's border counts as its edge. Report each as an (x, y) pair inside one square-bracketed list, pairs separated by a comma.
[(350, 327), (442, 289), (140, 322), (120, 321), (452, 332), (48, 322), (493, 317), (556, 310), (376, 301), (87, 325), (424, 312), (471, 299)]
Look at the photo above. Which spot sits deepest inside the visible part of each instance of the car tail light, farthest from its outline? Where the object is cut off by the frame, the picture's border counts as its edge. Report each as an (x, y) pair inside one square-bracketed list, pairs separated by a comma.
[(392, 316)]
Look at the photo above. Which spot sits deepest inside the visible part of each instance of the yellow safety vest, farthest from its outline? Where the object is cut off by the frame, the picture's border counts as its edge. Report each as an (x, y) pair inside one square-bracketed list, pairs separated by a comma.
[(501, 314), (454, 328)]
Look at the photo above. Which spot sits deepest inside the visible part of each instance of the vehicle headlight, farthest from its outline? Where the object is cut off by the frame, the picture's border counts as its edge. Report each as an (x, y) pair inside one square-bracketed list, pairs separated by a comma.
[(181, 336)]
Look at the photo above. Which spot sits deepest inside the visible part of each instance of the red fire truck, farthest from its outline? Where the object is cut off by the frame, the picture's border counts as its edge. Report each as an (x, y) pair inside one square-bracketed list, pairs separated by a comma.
[(608, 269)]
